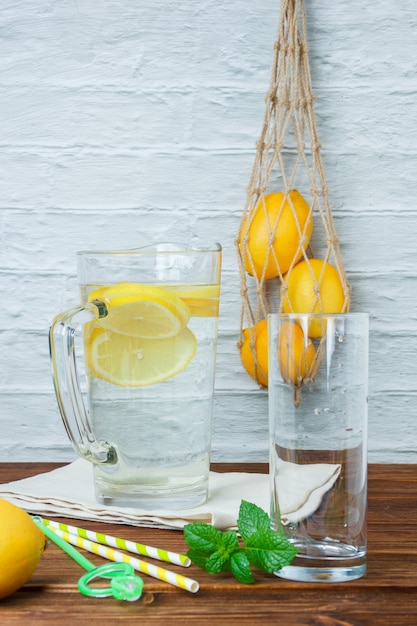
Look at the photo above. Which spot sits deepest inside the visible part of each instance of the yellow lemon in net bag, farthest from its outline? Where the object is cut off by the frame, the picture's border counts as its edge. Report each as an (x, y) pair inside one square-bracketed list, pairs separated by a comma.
[(255, 342), (314, 286), (276, 235), (296, 353)]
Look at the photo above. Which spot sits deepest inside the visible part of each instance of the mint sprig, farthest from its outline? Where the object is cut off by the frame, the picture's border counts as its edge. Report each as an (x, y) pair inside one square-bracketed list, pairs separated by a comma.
[(217, 551)]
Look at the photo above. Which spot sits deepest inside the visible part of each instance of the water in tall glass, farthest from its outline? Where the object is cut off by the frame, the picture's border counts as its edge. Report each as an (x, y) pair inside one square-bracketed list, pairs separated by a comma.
[(318, 443)]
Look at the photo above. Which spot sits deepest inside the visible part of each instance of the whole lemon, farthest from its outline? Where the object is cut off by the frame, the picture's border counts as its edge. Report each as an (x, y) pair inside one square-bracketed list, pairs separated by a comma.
[(314, 287), (255, 342), (21, 546), (296, 354), (275, 236)]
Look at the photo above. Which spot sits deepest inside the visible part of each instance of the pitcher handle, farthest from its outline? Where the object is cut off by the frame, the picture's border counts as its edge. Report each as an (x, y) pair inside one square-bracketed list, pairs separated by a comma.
[(68, 393)]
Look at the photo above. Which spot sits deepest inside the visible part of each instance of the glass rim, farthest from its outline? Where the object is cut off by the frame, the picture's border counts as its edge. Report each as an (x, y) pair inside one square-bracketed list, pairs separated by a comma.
[(154, 249)]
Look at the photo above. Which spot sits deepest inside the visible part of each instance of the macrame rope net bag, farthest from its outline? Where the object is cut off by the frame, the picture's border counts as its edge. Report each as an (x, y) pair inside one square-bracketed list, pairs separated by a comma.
[(287, 234)]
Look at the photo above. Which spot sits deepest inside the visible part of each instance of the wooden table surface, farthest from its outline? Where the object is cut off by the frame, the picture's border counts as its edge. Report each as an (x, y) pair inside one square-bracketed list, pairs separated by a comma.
[(387, 594)]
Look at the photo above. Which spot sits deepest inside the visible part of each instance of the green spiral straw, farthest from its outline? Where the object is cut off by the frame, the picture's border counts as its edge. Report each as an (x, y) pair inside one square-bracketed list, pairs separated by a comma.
[(123, 544)]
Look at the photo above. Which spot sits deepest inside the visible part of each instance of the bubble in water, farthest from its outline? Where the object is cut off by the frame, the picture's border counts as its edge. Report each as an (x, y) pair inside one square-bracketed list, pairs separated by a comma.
[(317, 411), (139, 355), (341, 338), (344, 390)]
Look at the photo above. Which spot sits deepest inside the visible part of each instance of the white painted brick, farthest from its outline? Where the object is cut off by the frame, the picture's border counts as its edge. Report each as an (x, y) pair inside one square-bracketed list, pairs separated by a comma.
[(108, 179), (95, 117), (33, 374), (32, 429), (127, 121)]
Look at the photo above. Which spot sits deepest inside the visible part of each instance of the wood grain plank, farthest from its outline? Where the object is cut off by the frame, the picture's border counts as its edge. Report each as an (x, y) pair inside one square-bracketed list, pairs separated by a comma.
[(385, 595)]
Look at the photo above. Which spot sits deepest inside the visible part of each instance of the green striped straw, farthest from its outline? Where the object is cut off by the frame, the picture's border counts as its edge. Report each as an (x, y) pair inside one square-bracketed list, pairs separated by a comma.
[(117, 542)]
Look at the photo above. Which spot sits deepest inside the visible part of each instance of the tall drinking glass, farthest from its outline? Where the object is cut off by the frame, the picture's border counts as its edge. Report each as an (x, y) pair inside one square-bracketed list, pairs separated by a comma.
[(133, 368), (318, 397)]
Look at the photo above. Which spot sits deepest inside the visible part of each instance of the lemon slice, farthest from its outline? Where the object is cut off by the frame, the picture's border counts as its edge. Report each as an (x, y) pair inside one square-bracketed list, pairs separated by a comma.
[(142, 310), (129, 361), (202, 300)]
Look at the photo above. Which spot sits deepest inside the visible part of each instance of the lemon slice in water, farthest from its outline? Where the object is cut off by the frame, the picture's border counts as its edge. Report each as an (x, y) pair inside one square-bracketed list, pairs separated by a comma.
[(144, 338), (142, 310), (202, 300), (130, 361)]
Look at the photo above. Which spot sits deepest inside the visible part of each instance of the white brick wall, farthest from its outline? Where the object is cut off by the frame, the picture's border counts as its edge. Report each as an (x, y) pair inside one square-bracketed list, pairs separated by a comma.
[(122, 121)]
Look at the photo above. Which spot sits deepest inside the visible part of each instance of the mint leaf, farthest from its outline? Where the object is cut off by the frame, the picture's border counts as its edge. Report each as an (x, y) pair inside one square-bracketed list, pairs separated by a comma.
[(203, 537), (269, 550), (217, 551), (216, 563), (210, 548), (251, 519), (240, 567), (219, 560), (197, 558), (230, 542)]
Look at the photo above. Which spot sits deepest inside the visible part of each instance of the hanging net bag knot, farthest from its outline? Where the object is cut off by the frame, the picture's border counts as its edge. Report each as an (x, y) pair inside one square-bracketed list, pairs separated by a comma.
[(287, 247)]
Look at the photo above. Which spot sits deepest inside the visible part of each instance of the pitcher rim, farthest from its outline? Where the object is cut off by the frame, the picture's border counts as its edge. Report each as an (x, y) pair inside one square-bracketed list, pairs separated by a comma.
[(159, 248)]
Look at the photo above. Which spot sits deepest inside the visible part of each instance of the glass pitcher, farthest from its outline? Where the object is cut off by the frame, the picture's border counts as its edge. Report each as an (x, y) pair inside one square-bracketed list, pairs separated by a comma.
[(133, 369)]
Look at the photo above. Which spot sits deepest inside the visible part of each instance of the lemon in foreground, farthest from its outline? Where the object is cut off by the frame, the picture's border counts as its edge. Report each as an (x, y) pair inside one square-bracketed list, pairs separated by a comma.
[(21, 546), (277, 234), (142, 310), (131, 361), (296, 353), (255, 343), (314, 287)]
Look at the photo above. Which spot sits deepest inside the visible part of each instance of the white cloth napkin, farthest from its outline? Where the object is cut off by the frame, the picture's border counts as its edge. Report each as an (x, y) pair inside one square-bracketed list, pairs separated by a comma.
[(301, 488), (69, 492)]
